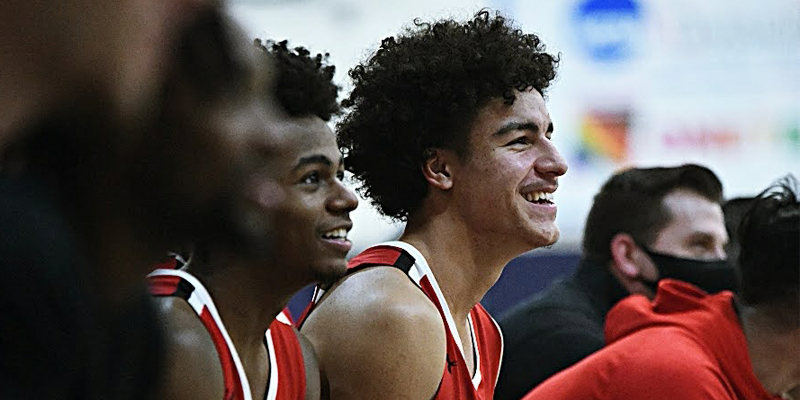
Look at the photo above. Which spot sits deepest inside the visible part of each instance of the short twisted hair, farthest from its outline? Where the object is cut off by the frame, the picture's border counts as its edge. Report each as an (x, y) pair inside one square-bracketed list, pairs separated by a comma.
[(422, 89), (304, 84)]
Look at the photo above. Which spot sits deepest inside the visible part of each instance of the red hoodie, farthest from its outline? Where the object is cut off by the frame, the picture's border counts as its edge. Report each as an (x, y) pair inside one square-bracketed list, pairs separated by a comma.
[(685, 344)]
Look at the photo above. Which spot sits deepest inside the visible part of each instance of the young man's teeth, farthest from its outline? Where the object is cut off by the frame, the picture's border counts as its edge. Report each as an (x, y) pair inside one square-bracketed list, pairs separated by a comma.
[(537, 196), (336, 234)]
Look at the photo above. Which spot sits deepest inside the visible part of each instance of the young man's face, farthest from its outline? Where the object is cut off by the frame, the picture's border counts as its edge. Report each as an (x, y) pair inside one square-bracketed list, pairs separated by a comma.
[(311, 220), (506, 180)]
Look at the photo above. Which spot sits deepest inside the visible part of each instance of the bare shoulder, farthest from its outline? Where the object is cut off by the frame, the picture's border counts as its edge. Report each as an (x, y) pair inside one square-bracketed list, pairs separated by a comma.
[(378, 335), (193, 368), (311, 367)]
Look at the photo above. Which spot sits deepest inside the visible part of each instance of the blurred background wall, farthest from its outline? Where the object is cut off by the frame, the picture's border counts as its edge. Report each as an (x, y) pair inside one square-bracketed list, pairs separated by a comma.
[(641, 83)]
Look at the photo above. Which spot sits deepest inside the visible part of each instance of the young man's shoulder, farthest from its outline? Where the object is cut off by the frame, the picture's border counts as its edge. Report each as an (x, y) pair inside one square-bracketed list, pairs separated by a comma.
[(377, 334), (193, 368), (379, 297)]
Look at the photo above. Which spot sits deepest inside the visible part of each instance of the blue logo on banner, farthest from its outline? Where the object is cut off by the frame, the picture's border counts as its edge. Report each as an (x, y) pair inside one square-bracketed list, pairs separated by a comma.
[(608, 30)]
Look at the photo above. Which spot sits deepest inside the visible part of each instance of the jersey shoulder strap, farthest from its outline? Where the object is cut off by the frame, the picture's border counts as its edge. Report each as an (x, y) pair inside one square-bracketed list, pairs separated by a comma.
[(381, 255)]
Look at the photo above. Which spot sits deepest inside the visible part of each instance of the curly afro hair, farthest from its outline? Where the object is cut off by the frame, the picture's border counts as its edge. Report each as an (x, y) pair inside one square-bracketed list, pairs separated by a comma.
[(304, 84), (422, 90)]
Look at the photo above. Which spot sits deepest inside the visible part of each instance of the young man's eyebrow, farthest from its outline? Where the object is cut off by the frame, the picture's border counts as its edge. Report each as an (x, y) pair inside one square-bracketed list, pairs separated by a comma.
[(315, 159), (520, 126)]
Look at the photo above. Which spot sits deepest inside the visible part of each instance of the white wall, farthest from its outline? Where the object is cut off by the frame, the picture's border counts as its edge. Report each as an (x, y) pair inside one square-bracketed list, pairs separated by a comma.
[(715, 82)]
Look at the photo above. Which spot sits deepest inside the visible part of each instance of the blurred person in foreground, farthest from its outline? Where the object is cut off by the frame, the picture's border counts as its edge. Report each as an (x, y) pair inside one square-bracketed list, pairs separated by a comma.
[(224, 339), (645, 224), (90, 202), (688, 344), (85, 57), (447, 130)]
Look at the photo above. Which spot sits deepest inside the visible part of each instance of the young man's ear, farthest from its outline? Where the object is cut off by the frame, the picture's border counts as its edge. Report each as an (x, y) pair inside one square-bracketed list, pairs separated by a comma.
[(437, 169)]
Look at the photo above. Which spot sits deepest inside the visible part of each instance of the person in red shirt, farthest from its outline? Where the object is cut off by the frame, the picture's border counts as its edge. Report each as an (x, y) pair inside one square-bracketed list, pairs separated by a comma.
[(223, 337), (687, 344), (449, 132)]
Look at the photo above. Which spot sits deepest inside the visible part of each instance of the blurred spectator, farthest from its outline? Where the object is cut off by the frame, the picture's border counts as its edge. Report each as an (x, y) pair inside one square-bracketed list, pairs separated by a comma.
[(688, 344)]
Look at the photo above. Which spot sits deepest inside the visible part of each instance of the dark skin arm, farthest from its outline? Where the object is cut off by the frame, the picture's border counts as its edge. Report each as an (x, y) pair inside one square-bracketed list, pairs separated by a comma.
[(311, 366), (193, 369)]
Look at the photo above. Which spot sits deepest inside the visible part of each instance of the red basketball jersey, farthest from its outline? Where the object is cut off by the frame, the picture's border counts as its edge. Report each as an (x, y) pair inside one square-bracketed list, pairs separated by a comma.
[(287, 379), (456, 381)]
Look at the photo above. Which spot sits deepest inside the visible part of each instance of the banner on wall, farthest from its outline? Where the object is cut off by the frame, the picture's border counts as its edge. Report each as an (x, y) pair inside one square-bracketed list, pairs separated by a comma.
[(665, 82)]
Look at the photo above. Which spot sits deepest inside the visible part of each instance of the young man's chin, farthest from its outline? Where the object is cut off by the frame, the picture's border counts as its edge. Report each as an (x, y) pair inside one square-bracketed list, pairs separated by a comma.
[(546, 238), (331, 273)]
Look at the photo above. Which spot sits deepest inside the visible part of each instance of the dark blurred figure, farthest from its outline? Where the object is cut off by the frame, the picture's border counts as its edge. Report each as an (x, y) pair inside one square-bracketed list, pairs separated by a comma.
[(645, 224), (689, 344), (77, 54), (93, 195)]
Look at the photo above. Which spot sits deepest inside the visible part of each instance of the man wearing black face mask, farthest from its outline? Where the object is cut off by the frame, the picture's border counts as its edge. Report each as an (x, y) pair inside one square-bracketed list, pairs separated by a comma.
[(691, 345), (645, 224)]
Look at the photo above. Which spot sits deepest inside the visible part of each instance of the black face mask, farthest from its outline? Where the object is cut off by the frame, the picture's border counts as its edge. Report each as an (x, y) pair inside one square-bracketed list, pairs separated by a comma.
[(710, 276)]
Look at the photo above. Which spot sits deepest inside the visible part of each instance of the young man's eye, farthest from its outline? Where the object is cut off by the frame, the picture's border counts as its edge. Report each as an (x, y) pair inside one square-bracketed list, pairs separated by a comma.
[(519, 140), (312, 177)]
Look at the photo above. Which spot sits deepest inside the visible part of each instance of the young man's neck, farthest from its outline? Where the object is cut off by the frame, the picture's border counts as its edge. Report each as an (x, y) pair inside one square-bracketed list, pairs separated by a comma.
[(465, 267), (247, 296), (774, 351)]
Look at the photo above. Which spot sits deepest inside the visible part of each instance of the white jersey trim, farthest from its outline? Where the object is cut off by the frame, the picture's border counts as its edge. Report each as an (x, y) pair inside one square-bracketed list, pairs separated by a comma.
[(272, 388), (502, 349)]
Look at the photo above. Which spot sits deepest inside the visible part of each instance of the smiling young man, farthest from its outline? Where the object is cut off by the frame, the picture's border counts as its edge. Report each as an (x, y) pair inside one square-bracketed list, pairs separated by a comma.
[(448, 131), (221, 308)]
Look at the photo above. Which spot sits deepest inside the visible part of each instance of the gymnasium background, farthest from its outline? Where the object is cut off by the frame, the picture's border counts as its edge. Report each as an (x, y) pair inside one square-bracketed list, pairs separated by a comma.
[(641, 82)]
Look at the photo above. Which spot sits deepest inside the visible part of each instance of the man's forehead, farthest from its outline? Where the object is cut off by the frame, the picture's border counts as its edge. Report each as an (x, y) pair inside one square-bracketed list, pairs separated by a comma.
[(688, 200), (528, 107), (287, 134), (693, 212)]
